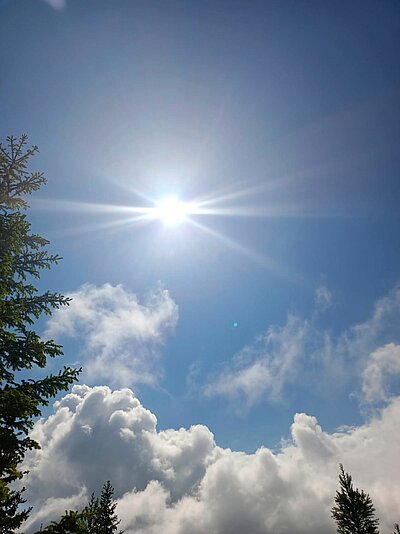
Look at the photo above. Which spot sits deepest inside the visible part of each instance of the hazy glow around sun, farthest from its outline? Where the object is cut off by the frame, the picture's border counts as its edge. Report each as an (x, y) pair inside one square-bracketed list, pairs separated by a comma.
[(172, 211)]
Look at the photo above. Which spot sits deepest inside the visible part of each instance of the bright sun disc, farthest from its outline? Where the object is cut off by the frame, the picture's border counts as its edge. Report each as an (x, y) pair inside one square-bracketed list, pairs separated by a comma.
[(172, 211)]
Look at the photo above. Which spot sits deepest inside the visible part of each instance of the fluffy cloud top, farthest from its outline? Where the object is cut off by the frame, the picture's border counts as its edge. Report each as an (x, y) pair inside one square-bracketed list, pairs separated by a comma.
[(120, 337), (181, 482)]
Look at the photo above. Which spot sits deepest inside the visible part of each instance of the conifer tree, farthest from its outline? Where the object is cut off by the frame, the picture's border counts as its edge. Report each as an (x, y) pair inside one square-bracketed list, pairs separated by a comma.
[(106, 519), (23, 256), (98, 517), (92, 513), (70, 523), (354, 512)]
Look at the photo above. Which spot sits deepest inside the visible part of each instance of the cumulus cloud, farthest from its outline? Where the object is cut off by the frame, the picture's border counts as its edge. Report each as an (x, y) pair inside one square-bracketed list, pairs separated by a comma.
[(96, 434), (302, 352), (381, 364), (120, 337), (181, 482)]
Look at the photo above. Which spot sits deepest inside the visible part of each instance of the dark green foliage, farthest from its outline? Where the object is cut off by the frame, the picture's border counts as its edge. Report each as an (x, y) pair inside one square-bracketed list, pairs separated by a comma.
[(98, 517), (92, 511), (354, 512), (107, 521), (22, 257), (70, 523)]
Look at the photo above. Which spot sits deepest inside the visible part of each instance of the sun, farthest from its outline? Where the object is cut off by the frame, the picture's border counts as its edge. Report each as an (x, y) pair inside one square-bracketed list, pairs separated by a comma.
[(172, 211)]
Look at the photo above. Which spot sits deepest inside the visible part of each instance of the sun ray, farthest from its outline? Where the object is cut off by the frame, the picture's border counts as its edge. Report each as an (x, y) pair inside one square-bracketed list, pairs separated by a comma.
[(234, 245), (48, 204), (111, 225), (260, 259), (171, 211)]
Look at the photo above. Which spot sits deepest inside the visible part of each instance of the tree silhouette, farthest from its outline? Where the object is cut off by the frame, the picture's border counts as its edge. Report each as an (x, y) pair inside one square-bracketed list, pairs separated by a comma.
[(70, 523), (92, 513), (98, 517), (23, 255), (354, 512), (105, 518)]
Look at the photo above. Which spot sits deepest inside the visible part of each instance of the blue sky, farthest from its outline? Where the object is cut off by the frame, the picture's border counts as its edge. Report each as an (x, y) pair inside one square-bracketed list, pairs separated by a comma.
[(285, 115)]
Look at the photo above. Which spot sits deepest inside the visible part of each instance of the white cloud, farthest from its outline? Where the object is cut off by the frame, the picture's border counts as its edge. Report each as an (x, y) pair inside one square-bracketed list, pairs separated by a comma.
[(181, 482), (120, 336), (380, 326), (97, 434), (300, 352), (381, 363), (56, 4), (323, 297), (264, 368), (54, 508)]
